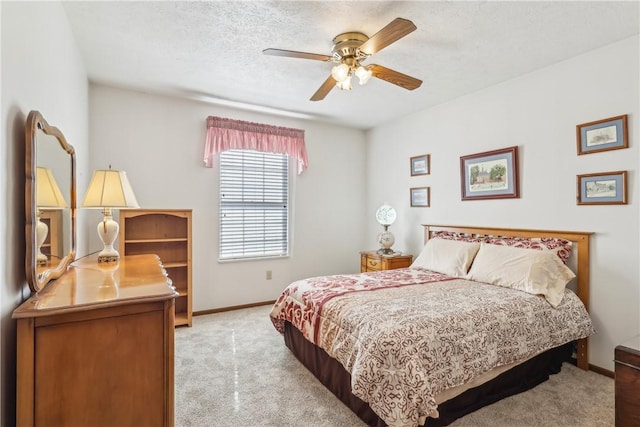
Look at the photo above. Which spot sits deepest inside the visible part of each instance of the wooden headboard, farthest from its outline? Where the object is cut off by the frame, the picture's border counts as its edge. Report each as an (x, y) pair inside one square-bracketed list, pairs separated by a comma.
[(580, 248)]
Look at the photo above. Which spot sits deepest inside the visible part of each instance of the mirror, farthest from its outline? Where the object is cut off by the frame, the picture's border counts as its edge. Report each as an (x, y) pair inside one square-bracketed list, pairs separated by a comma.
[(50, 202)]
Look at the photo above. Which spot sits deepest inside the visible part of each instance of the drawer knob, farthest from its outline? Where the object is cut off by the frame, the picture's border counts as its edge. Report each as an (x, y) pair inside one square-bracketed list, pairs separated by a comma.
[(373, 263)]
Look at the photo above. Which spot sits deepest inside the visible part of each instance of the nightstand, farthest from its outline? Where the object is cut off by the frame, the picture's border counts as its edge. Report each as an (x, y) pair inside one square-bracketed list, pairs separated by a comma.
[(627, 363), (372, 261)]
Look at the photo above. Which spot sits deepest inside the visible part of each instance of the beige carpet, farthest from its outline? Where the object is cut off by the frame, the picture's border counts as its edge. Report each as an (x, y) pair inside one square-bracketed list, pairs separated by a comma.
[(233, 369)]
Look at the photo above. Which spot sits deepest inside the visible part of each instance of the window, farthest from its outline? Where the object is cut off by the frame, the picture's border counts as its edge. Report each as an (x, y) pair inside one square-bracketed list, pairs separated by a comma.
[(254, 204)]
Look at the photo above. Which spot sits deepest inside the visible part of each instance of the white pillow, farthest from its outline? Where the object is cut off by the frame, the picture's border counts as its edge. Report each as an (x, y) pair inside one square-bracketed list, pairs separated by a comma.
[(450, 257), (529, 270)]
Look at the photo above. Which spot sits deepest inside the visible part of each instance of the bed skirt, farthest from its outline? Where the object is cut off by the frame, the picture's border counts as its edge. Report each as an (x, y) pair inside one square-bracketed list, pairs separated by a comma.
[(516, 380)]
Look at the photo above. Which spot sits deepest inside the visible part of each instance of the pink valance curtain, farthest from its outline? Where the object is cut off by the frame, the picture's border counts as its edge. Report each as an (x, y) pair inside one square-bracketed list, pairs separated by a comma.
[(226, 134)]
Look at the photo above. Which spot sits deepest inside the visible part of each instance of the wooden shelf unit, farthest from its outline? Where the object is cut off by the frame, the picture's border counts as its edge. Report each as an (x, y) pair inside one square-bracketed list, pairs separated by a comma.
[(166, 233)]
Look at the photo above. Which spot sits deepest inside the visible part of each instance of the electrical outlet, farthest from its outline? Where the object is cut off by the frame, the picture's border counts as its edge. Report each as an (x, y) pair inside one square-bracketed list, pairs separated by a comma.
[(268, 274)]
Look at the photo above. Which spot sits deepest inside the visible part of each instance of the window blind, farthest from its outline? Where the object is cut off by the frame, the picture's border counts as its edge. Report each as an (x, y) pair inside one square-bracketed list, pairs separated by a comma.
[(254, 204)]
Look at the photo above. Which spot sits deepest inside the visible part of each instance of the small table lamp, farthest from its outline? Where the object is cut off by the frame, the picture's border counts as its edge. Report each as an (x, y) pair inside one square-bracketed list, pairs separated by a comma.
[(109, 189), (386, 215), (48, 196)]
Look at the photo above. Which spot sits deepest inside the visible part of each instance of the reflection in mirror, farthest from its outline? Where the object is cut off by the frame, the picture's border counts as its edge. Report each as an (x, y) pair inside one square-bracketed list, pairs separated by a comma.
[(50, 202)]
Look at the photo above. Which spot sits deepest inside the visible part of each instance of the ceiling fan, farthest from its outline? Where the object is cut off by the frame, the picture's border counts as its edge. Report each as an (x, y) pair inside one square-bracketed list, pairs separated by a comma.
[(350, 50)]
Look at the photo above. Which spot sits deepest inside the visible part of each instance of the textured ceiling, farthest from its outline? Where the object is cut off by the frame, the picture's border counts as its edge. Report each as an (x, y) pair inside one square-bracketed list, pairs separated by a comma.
[(214, 49)]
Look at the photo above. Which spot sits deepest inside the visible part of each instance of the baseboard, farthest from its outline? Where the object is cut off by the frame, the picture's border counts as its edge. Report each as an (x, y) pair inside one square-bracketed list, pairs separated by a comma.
[(601, 371), (594, 368), (235, 307)]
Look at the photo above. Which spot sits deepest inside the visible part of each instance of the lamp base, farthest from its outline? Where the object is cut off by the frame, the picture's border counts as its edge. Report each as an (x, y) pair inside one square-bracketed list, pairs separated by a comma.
[(386, 240), (41, 235), (385, 251), (108, 258), (108, 231)]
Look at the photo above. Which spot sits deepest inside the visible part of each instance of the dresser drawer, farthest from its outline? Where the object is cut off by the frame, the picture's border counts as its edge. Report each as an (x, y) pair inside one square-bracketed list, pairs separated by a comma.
[(401, 261), (371, 264)]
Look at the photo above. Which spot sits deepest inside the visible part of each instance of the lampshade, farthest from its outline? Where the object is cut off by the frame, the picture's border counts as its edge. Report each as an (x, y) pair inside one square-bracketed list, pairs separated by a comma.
[(345, 84), (48, 194), (363, 73), (109, 189), (340, 72)]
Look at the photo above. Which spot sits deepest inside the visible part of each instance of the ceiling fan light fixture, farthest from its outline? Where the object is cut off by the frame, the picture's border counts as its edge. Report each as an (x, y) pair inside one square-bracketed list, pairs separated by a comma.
[(349, 50), (340, 72), (364, 74), (345, 84)]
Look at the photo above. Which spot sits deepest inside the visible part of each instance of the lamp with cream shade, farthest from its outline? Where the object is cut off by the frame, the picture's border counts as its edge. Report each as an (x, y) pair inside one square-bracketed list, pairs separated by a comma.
[(48, 196), (109, 189)]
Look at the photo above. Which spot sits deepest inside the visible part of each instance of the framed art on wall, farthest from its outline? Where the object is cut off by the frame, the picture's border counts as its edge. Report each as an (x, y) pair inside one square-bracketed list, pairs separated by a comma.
[(420, 165), (608, 188), (602, 135), (490, 175), (419, 197)]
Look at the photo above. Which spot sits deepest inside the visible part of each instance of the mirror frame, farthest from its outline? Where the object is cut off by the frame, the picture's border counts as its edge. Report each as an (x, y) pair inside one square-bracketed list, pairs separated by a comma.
[(38, 278)]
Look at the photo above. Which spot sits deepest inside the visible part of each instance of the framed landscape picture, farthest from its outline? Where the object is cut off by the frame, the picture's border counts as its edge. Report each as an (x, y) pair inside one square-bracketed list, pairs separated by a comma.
[(490, 175), (602, 135), (419, 197), (609, 188), (420, 165)]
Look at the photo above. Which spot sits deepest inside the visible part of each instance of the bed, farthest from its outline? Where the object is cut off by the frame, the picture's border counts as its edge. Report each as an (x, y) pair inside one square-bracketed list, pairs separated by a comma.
[(454, 332)]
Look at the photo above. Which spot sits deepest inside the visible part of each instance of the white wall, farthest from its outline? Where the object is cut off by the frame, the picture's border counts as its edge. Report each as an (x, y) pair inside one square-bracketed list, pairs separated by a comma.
[(537, 112), (41, 70), (159, 142)]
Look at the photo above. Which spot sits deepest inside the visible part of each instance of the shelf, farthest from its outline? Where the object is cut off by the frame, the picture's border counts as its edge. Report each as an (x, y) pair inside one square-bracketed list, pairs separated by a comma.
[(164, 240), (175, 264), (181, 319)]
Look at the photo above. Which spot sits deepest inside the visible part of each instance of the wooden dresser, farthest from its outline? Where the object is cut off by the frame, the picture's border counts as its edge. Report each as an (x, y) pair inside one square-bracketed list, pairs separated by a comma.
[(627, 365), (372, 261), (95, 347)]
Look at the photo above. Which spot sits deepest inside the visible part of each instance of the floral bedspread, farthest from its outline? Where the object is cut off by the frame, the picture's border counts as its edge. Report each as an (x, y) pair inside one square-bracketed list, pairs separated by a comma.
[(302, 302), (404, 344)]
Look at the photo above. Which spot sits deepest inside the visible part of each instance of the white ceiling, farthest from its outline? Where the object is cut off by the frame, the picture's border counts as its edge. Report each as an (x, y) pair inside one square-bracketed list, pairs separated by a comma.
[(214, 49)]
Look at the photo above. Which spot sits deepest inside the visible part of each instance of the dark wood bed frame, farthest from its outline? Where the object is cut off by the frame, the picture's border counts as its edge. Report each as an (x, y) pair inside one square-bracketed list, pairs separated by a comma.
[(521, 378)]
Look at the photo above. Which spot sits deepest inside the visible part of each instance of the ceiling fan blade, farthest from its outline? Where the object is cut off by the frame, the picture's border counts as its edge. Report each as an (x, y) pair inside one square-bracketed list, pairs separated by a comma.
[(394, 31), (395, 77), (295, 54), (324, 89)]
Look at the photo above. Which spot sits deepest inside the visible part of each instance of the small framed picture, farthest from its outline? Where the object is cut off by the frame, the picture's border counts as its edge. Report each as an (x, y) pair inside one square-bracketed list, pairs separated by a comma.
[(490, 175), (602, 135), (609, 188), (420, 197), (420, 165)]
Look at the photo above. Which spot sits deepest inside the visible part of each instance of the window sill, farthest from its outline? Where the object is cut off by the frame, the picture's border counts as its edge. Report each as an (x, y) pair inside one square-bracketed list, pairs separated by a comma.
[(262, 258)]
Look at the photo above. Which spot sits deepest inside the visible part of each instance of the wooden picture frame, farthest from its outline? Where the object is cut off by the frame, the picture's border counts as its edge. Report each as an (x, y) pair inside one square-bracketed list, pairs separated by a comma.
[(420, 197), (606, 188), (602, 135), (420, 165), (490, 175)]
